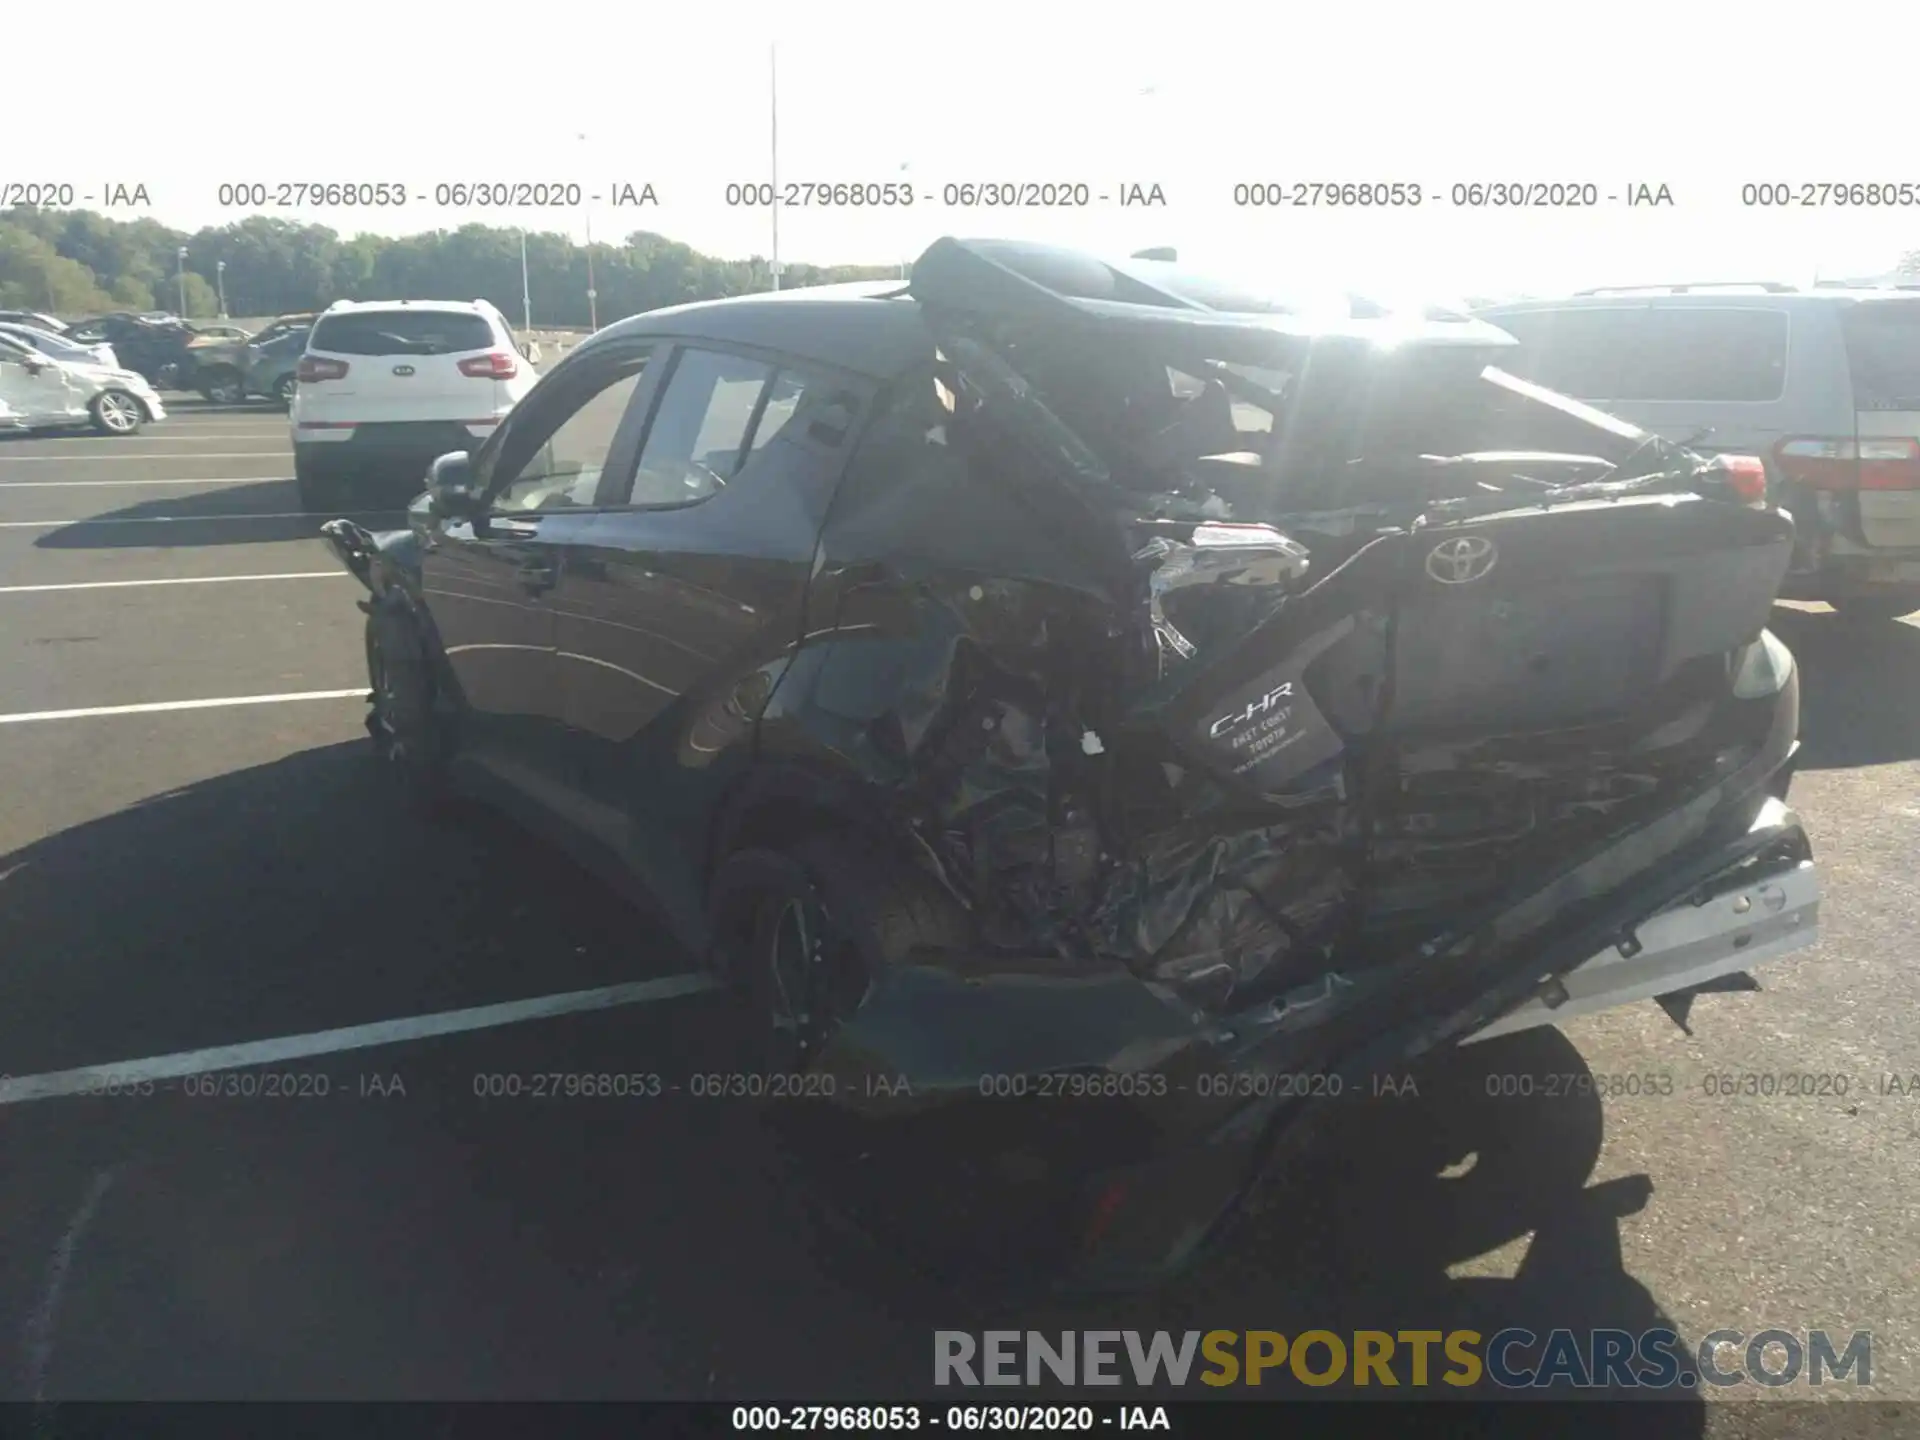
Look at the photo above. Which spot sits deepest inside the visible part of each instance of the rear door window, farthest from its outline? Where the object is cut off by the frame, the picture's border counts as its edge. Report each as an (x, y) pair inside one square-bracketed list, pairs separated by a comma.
[(1883, 354), (1577, 352), (701, 427), (1689, 353), (402, 332)]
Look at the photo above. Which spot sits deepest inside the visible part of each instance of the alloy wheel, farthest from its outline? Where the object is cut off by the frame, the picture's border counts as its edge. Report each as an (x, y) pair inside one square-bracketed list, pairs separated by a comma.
[(119, 413), (795, 959)]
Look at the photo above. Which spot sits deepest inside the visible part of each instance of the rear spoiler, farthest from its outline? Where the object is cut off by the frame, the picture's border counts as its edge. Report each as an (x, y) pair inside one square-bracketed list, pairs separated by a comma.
[(1057, 288)]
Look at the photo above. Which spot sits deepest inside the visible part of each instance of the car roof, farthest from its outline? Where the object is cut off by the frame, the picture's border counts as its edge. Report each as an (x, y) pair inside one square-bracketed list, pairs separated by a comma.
[(866, 327), (879, 327), (1742, 297), (453, 307)]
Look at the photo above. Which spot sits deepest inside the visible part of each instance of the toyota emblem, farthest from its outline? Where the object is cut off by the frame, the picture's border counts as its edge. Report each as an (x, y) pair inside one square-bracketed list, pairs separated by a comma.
[(403, 370), (1455, 562)]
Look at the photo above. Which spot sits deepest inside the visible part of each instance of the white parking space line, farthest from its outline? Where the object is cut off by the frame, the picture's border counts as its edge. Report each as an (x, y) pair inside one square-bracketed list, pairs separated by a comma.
[(158, 707), (173, 519), (161, 455), (191, 480), (93, 1078), (43, 1322), (187, 580)]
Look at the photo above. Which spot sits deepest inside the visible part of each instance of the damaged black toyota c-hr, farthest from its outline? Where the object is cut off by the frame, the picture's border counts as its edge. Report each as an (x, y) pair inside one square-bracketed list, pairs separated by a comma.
[(1054, 667)]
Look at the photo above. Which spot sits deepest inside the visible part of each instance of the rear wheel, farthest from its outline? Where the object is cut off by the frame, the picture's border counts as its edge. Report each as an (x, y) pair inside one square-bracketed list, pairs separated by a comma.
[(283, 390), (115, 412), (964, 1195), (224, 386), (1874, 609), (800, 933)]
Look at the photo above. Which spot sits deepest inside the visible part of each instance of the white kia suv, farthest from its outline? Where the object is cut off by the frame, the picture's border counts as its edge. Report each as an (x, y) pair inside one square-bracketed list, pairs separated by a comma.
[(386, 386)]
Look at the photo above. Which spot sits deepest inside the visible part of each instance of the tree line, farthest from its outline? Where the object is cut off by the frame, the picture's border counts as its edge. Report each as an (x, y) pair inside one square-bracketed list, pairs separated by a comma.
[(72, 262)]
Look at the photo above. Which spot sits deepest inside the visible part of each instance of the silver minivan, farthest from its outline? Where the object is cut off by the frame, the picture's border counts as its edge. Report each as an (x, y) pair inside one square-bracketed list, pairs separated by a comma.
[(1823, 385)]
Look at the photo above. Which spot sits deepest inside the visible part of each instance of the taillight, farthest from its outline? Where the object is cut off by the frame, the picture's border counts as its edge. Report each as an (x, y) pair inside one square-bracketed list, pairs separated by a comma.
[(1889, 464), (313, 367), (1875, 463), (1745, 475), (494, 365)]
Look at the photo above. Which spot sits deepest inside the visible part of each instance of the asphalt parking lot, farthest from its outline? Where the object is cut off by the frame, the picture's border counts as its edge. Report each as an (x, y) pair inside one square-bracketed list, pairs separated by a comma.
[(173, 880)]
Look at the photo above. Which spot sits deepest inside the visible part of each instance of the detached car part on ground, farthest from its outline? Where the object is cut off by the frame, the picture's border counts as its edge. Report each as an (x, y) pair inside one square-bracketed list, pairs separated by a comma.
[(1179, 692)]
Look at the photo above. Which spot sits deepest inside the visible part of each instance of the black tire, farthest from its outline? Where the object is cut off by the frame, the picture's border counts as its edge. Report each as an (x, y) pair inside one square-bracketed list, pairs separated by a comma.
[(928, 1189), (411, 734), (283, 390), (223, 386), (1874, 609), (859, 912), (115, 412), (319, 484)]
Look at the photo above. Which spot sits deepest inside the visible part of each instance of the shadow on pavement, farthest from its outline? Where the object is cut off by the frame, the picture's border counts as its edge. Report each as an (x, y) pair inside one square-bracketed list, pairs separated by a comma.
[(250, 514), (287, 898), (1859, 688), (1359, 1233), (450, 1245)]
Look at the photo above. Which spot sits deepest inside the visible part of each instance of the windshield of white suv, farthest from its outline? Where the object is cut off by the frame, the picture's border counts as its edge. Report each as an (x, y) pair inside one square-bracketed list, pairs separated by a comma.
[(402, 332)]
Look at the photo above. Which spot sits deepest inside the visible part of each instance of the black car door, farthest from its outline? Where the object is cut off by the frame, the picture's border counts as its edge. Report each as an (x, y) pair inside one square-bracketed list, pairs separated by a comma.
[(679, 607), (489, 581)]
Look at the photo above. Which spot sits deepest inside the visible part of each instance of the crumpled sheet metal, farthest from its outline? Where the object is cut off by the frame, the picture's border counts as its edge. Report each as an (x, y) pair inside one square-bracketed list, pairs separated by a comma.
[(943, 1026), (1000, 776), (1248, 556), (1213, 915)]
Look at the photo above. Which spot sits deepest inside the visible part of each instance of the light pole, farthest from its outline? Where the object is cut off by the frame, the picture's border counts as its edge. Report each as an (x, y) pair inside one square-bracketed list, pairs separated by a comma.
[(526, 291), (220, 279), (905, 165), (773, 130), (183, 282), (593, 308)]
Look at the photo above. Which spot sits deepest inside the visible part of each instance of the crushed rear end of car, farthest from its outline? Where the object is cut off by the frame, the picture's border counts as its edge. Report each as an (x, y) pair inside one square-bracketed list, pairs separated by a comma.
[(1282, 699)]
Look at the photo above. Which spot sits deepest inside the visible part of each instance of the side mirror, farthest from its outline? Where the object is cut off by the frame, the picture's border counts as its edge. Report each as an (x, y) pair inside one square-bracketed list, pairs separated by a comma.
[(450, 487)]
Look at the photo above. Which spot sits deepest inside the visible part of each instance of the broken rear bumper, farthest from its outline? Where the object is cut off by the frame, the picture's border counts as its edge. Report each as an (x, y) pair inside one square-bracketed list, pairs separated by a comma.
[(1745, 918), (1143, 1224)]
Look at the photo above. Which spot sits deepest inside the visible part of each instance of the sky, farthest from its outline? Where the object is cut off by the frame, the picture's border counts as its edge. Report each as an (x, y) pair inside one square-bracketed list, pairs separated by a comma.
[(1195, 98)]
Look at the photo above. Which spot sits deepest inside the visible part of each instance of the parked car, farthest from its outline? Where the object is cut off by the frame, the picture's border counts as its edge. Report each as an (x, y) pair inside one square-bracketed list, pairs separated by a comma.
[(42, 392), (284, 325), (224, 368), (153, 346), (61, 348), (34, 318), (272, 367), (1823, 385), (1000, 687), (385, 386)]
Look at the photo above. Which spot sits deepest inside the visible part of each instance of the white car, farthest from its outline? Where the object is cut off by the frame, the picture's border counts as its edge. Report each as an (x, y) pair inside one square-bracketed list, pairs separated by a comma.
[(41, 392), (61, 348), (386, 387)]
